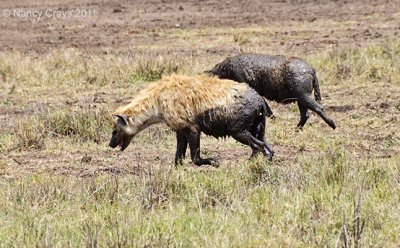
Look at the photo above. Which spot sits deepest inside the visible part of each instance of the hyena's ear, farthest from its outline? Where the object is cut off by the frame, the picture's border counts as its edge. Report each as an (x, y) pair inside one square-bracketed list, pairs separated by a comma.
[(122, 120)]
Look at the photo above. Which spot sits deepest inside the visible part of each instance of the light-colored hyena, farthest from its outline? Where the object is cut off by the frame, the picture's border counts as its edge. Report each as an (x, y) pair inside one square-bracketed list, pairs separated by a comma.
[(193, 104)]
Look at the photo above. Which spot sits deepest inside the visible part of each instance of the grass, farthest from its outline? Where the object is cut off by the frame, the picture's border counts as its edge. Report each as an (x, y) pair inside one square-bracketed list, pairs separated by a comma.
[(60, 185), (83, 125), (232, 206), (372, 64), (153, 70)]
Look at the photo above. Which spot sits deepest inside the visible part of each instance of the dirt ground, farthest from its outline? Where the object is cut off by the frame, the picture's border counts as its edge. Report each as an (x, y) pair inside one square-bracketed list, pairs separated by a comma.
[(282, 25), (192, 27)]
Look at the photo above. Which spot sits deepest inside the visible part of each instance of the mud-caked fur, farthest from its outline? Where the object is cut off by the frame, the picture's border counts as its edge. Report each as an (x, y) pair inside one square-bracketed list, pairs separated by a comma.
[(277, 78), (191, 105)]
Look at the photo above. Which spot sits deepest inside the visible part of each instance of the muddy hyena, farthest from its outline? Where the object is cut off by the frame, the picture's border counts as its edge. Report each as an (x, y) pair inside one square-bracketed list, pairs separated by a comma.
[(190, 105), (277, 78)]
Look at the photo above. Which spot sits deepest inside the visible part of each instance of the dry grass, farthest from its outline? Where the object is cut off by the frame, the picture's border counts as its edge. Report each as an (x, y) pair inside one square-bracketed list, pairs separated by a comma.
[(49, 125), (60, 185)]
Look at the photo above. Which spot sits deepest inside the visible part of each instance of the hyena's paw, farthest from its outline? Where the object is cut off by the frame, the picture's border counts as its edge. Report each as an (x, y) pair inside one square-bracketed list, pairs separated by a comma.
[(206, 161), (213, 162)]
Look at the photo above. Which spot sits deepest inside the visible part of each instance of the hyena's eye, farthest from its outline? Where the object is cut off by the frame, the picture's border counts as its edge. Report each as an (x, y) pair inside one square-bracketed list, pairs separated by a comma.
[(114, 132)]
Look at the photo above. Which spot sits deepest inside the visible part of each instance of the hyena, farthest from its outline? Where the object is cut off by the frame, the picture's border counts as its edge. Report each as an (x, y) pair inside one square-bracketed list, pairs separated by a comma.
[(277, 78), (191, 105)]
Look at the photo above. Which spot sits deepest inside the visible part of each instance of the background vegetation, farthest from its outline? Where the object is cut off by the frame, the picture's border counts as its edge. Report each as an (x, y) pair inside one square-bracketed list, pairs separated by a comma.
[(61, 186)]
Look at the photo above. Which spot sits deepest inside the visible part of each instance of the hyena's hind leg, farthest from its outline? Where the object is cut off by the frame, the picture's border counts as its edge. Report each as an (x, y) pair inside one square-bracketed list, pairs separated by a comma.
[(309, 103), (303, 115), (246, 138), (181, 146), (194, 144), (258, 131)]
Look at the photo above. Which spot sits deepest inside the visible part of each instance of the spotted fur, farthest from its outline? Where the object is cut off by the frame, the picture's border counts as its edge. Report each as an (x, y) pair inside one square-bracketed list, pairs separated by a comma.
[(193, 104)]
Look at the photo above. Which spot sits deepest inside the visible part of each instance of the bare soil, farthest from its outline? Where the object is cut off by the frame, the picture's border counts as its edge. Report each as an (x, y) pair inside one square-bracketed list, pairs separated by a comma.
[(287, 25)]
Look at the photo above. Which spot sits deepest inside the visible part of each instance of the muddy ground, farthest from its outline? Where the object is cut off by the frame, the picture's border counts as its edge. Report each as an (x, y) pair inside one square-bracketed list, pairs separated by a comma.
[(286, 26)]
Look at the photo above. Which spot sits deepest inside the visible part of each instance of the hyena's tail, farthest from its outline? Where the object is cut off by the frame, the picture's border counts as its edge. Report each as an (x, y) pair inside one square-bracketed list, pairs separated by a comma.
[(317, 93), (267, 110)]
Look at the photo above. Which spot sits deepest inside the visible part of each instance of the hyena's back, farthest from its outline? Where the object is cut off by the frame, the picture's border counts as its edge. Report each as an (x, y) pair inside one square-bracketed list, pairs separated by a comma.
[(217, 107)]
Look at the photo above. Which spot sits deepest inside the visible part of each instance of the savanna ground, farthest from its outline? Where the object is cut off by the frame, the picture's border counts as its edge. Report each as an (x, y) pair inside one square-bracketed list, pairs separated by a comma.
[(60, 185)]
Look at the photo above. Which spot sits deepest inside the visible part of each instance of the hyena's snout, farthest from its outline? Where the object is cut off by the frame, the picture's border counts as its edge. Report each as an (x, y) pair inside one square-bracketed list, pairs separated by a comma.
[(122, 142), (114, 142)]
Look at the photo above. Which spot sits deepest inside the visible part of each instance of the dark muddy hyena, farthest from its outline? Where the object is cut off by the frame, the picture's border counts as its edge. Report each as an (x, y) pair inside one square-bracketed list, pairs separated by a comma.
[(277, 78)]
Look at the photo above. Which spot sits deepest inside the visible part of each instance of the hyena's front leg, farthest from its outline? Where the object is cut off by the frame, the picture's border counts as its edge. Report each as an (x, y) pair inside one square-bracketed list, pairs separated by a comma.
[(194, 145), (181, 145)]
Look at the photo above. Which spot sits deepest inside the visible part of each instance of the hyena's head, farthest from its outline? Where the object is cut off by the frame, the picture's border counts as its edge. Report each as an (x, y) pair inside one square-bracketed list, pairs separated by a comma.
[(122, 132)]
